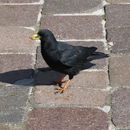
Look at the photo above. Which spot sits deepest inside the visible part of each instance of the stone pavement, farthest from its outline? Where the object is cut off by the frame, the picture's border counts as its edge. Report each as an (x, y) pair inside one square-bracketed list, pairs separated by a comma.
[(97, 99)]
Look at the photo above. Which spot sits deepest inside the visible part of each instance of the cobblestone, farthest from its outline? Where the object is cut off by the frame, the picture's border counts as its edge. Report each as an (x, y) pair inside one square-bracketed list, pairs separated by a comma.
[(13, 102), (73, 6), (72, 96), (9, 44), (121, 107), (15, 64), (120, 38), (119, 74), (84, 79), (23, 15), (117, 24), (117, 16), (74, 27), (67, 118), (11, 62)]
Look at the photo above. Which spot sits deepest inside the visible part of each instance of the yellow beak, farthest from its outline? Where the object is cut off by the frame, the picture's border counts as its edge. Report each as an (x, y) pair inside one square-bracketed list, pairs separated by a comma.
[(34, 37)]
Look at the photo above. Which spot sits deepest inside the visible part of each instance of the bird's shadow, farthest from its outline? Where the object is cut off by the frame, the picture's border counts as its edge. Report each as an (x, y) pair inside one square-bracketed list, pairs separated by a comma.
[(44, 76)]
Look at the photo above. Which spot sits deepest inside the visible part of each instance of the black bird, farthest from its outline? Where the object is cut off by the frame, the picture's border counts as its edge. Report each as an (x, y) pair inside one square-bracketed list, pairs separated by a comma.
[(61, 56)]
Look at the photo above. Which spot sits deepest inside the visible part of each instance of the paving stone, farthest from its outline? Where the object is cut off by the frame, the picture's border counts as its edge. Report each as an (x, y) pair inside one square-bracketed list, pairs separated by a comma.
[(120, 38), (74, 27), (121, 107), (73, 6), (97, 62), (91, 79), (67, 118), (119, 71), (25, 82), (117, 16), (118, 34), (10, 62), (46, 77), (4, 127), (117, 24), (118, 1), (15, 64), (22, 75), (84, 79), (18, 1), (72, 96), (23, 44), (23, 15), (13, 102)]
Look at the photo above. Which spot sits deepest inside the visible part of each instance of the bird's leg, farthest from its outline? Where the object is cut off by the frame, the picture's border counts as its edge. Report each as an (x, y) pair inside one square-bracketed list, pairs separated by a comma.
[(66, 84), (60, 81)]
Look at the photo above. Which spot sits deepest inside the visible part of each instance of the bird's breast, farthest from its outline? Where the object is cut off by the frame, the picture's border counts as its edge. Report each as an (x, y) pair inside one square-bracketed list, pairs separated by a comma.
[(50, 58)]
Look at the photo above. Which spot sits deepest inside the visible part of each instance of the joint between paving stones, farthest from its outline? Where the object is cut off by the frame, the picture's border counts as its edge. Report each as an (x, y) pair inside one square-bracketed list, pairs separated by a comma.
[(41, 2)]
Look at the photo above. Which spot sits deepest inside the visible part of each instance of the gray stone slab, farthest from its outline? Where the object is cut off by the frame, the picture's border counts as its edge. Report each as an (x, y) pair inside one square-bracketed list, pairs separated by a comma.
[(12, 62), (98, 79), (67, 119), (18, 15), (70, 6), (121, 107), (72, 96), (117, 16), (120, 38), (14, 67), (119, 69), (16, 40), (74, 27), (12, 103)]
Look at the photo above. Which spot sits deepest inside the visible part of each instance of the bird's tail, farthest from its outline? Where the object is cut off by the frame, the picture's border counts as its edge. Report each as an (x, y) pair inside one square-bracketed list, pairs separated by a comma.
[(92, 50)]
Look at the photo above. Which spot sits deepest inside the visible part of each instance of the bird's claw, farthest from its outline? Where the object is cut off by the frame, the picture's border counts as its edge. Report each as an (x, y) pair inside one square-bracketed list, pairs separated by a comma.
[(61, 90)]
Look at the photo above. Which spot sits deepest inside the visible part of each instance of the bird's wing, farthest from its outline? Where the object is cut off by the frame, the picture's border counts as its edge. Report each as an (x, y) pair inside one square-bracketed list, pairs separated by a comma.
[(71, 55)]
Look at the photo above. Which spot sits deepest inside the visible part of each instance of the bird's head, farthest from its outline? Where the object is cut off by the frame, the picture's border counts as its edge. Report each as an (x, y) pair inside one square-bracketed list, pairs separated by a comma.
[(42, 34)]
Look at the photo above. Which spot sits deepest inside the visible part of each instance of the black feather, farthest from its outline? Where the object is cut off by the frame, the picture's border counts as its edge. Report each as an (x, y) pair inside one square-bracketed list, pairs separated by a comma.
[(61, 56)]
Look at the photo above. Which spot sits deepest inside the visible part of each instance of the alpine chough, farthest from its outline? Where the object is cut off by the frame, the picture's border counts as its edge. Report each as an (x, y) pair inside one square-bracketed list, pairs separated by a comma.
[(61, 56)]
